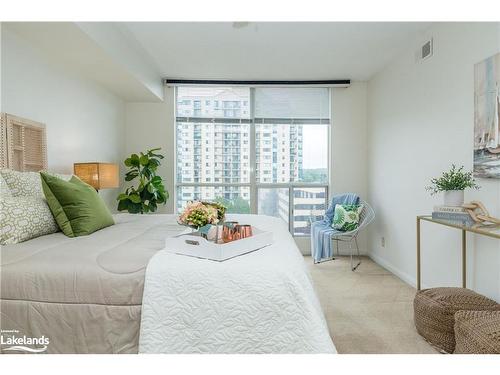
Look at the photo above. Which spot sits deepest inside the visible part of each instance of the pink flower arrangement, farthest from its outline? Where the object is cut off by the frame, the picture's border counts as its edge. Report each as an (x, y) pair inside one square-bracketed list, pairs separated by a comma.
[(198, 214)]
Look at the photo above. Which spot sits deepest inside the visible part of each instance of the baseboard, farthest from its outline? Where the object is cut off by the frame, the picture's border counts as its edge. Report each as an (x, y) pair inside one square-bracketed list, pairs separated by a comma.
[(410, 280)]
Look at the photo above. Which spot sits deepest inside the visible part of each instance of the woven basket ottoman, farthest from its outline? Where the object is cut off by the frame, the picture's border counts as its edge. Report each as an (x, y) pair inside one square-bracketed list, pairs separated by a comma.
[(434, 313), (477, 332)]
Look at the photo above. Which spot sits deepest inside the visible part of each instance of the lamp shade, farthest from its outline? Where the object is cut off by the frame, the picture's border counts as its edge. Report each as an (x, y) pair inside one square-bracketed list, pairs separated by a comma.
[(98, 175)]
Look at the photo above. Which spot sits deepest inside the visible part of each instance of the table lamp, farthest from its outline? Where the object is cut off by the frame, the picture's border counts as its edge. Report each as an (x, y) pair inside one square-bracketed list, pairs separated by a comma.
[(98, 175)]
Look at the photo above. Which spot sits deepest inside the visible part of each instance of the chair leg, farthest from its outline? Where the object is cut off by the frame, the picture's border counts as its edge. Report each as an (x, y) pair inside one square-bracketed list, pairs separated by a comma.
[(324, 260), (353, 268)]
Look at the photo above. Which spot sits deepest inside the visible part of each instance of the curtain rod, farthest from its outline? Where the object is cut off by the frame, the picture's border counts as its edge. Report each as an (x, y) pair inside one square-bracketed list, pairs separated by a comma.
[(272, 83)]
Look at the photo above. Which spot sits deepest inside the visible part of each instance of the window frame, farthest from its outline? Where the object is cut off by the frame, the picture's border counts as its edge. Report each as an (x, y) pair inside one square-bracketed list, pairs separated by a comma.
[(253, 185)]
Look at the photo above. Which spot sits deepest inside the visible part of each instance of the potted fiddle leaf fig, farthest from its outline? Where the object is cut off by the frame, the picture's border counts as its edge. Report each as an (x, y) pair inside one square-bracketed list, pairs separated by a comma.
[(150, 191), (453, 183)]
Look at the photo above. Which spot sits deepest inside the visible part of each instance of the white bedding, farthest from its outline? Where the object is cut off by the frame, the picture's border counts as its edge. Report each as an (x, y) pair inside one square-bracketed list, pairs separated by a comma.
[(262, 302)]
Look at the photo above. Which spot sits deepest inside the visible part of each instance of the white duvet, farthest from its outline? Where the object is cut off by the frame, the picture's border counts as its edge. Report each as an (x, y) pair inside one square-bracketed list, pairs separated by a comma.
[(262, 302)]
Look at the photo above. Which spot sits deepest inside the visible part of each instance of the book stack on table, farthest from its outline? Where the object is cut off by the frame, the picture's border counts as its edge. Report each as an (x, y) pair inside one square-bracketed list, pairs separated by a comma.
[(455, 215)]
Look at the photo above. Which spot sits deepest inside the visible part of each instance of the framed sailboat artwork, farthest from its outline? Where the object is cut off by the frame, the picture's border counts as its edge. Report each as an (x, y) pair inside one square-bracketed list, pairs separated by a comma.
[(487, 118)]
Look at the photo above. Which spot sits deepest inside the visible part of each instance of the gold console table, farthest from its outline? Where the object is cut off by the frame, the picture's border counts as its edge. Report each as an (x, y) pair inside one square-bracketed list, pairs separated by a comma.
[(488, 230)]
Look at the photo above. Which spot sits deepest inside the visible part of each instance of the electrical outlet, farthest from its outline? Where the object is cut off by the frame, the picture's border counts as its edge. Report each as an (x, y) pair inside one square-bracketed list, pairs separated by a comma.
[(382, 241)]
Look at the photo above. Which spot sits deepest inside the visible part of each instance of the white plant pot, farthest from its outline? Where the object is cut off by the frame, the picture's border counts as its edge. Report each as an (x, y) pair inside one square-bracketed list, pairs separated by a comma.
[(454, 198)]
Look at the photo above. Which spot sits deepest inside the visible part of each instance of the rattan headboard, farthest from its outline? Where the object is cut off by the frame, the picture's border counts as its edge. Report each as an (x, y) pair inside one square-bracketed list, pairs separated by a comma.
[(23, 144)]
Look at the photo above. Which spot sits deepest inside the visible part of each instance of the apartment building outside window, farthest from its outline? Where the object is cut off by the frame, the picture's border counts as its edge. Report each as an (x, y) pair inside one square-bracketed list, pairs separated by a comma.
[(256, 150)]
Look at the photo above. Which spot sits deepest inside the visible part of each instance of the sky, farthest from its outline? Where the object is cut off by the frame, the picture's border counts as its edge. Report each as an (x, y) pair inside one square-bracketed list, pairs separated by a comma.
[(315, 146)]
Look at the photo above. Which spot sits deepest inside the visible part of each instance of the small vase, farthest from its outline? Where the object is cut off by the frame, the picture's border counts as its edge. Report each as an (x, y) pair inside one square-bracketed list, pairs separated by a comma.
[(454, 198), (215, 233)]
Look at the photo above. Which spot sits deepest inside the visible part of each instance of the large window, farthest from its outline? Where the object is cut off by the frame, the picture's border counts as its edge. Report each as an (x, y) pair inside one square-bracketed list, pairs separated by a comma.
[(257, 150)]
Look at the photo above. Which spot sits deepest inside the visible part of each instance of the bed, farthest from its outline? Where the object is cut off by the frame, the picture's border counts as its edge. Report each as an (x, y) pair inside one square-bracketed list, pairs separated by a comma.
[(87, 293)]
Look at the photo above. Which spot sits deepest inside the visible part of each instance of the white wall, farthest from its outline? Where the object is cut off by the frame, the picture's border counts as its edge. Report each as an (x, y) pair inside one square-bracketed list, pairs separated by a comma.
[(349, 145), (150, 125), (0, 67), (420, 120), (84, 122)]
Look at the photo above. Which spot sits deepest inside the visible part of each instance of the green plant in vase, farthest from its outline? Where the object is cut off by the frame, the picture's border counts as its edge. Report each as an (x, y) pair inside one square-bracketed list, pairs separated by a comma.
[(453, 183), (150, 191)]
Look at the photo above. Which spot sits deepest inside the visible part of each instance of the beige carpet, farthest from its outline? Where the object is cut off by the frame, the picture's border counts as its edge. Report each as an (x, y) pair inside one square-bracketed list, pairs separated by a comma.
[(369, 310)]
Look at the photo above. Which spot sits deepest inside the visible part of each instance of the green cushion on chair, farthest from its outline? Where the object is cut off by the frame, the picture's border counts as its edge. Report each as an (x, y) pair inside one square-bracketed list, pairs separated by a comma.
[(346, 217), (76, 206)]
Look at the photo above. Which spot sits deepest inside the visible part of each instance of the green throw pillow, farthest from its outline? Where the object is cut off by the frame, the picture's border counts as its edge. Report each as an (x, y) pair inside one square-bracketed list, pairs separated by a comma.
[(76, 206), (346, 216)]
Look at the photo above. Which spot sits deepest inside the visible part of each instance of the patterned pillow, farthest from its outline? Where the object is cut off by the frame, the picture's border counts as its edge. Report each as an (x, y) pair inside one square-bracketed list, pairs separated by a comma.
[(26, 184), (346, 216), (4, 189), (24, 218)]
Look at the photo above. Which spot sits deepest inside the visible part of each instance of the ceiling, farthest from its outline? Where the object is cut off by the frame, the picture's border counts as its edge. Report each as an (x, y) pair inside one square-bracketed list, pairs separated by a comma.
[(273, 50), (97, 51)]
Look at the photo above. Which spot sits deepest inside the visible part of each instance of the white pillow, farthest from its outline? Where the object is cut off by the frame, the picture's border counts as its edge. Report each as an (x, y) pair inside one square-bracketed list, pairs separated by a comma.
[(4, 189), (24, 218), (26, 184)]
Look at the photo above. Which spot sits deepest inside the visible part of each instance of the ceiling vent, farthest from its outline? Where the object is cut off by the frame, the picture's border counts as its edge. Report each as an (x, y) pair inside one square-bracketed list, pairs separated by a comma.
[(425, 51)]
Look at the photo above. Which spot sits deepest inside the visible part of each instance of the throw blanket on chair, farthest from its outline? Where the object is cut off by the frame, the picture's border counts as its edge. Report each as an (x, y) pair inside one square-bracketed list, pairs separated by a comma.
[(321, 231)]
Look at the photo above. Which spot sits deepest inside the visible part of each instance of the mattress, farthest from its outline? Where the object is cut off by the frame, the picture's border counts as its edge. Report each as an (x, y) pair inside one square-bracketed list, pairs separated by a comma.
[(83, 293)]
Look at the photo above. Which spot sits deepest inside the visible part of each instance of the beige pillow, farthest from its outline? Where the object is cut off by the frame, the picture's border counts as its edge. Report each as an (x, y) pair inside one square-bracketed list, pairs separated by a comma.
[(24, 218)]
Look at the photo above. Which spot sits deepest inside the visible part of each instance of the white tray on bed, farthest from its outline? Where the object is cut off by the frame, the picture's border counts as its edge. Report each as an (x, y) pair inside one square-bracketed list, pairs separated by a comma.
[(196, 246)]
